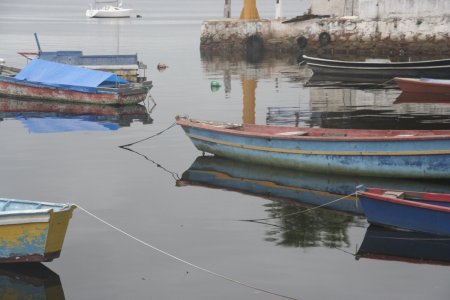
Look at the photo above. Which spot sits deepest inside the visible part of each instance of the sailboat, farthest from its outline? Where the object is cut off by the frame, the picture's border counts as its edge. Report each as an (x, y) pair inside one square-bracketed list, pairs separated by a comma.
[(110, 9)]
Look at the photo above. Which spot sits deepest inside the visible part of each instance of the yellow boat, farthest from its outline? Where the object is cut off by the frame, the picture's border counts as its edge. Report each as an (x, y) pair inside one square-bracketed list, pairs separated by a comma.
[(32, 231)]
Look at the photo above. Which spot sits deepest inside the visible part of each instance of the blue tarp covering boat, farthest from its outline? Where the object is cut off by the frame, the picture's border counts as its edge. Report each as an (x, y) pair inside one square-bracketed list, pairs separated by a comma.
[(62, 75)]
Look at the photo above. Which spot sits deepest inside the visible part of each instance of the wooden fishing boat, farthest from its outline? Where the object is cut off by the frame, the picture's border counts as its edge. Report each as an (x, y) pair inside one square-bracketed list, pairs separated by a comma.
[(415, 211), (32, 231), (424, 85), (45, 80), (381, 153), (386, 244), (439, 68)]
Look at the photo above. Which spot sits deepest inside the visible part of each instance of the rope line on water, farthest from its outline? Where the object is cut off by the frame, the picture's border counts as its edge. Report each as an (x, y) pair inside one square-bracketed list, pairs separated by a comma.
[(147, 138), (174, 174), (301, 211), (182, 260)]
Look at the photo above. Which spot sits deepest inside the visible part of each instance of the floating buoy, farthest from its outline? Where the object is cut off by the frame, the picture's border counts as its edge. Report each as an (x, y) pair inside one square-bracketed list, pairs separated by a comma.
[(215, 85), (161, 67), (138, 16)]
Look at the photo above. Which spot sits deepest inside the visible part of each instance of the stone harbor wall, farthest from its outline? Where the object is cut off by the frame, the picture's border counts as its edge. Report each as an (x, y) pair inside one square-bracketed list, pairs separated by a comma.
[(409, 37)]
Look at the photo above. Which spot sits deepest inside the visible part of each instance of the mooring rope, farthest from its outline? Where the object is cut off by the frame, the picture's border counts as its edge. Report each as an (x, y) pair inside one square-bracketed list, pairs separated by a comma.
[(174, 174), (301, 211), (147, 138), (182, 260)]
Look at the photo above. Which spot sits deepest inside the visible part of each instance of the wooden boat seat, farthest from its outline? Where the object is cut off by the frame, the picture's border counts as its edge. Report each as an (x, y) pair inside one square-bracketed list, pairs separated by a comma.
[(334, 134), (293, 133), (394, 194)]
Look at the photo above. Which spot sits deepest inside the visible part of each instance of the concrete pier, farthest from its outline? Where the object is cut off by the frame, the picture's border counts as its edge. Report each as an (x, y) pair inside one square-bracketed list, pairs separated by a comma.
[(407, 36)]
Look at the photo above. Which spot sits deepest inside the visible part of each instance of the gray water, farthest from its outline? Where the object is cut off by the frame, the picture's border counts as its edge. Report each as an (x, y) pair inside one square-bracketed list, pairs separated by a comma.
[(305, 257)]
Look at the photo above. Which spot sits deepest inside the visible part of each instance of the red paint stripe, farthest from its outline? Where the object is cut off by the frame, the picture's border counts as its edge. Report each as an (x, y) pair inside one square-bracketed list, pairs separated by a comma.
[(404, 202)]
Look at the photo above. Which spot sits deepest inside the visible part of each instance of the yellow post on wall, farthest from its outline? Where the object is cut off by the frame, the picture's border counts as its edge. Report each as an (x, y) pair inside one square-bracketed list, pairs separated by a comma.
[(249, 12)]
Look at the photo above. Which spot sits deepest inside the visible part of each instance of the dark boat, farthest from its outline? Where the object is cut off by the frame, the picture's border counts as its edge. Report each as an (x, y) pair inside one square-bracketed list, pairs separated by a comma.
[(379, 69), (407, 210), (404, 246)]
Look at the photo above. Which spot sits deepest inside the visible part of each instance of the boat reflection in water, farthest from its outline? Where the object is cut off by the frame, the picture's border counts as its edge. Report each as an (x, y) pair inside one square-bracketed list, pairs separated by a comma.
[(405, 246), (48, 117), (29, 281), (296, 191), (305, 187)]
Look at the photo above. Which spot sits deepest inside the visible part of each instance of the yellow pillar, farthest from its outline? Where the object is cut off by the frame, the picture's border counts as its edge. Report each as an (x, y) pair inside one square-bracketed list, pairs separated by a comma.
[(249, 103), (249, 12)]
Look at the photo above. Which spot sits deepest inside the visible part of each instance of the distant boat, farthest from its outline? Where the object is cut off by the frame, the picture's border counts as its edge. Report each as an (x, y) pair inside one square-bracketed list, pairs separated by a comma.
[(439, 68), (415, 211), (110, 9), (424, 85), (125, 65), (45, 80), (385, 244), (379, 153), (32, 231)]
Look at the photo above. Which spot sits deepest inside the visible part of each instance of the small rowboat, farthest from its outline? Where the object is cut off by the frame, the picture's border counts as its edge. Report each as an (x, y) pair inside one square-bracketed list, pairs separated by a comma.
[(379, 153), (439, 68), (415, 211), (424, 85), (32, 231), (45, 80)]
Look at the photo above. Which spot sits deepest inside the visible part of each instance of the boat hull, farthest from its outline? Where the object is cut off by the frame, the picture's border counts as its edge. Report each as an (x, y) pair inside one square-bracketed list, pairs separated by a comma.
[(413, 85), (432, 68), (401, 157), (109, 13), (35, 91), (33, 237), (431, 217)]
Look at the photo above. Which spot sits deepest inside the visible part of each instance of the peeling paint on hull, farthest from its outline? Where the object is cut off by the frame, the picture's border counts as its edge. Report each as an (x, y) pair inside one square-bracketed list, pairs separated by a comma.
[(33, 236), (402, 155), (35, 91)]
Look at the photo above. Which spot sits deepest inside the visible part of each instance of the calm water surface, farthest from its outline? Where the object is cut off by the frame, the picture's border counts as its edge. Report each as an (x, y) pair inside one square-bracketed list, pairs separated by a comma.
[(164, 194)]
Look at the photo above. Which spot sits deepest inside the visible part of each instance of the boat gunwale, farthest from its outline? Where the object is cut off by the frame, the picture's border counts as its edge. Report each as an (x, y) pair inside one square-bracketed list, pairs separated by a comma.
[(376, 63), (403, 135), (56, 207), (382, 67), (405, 202)]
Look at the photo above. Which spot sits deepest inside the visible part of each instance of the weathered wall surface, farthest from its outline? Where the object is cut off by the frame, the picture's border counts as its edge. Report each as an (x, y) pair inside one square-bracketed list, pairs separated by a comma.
[(425, 37), (337, 8), (381, 9)]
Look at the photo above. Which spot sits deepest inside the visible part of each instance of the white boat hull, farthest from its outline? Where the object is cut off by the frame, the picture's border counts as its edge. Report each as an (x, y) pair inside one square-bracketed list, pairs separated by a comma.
[(109, 12)]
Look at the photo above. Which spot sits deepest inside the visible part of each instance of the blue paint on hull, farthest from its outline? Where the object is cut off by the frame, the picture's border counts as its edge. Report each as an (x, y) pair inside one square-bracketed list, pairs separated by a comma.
[(406, 217)]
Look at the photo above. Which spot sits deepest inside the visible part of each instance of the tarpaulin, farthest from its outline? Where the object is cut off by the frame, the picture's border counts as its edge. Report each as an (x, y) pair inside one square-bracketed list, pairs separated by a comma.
[(56, 74)]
